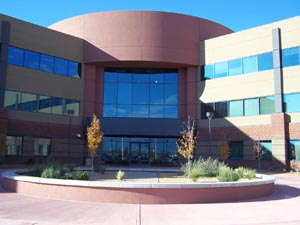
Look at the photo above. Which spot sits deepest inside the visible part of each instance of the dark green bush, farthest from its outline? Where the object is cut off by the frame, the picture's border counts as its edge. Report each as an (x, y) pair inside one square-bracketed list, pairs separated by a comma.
[(82, 175), (67, 176), (227, 174), (36, 170)]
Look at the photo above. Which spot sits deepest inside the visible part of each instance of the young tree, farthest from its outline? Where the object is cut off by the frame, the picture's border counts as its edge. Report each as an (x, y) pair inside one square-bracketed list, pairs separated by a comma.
[(258, 151), (94, 138), (187, 142)]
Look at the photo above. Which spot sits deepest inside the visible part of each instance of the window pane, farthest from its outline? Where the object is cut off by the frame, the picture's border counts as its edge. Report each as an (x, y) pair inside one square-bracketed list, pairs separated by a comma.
[(140, 93), (157, 78), (141, 78), (12, 99), (265, 61), (57, 105), (294, 150), (74, 69), (14, 145), (124, 93), (124, 111), (290, 57), (171, 78), (110, 77), (72, 106), (156, 111), (157, 94), (109, 110), (267, 148), (110, 93), (291, 102), (236, 108), (171, 112), (31, 60), (171, 94), (61, 66), (140, 111), (28, 102), (267, 105), (15, 56), (250, 64), (236, 150), (124, 78), (251, 107), (47, 63), (42, 146), (234, 67), (45, 104), (220, 70), (209, 72), (206, 107), (221, 109)]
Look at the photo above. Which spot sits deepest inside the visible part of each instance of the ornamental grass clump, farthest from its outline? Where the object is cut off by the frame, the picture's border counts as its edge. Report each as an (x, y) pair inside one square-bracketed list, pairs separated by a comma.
[(51, 172), (120, 175), (227, 174), (246, 173), (82, 175)]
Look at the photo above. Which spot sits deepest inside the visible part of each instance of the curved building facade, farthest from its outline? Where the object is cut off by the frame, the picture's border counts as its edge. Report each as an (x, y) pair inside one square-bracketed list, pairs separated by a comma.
[(143, 73)]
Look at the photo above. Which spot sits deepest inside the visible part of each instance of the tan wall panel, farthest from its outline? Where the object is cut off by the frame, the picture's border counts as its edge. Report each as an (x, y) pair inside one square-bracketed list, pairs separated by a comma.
[(38, 82), (294, 117), (237, 121), (44, 40), (237, 87), (291, 79)]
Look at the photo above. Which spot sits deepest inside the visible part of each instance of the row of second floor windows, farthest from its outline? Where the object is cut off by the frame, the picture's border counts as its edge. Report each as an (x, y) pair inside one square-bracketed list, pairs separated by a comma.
[(21, 101), (14, 146), (250, 107), (46, 63), (256, 63)]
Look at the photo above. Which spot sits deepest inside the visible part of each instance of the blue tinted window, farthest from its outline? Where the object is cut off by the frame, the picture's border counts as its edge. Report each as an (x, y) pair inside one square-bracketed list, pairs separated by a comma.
[(61, 66), (57, 106), (15, 56), (220, 70), (290, 57), (267, 105), (73, 69), (209, 72), (28, 102), (11, 99), (234, 67), (111, 93), (265, 61), (140, 95), (46, 63), (31, 60), (45, 104), (236, 108), (250, 64), (251, 107), (291, 102)]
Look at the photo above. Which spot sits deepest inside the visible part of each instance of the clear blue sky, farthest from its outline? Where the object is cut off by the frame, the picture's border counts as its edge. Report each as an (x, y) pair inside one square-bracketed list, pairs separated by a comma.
[(235, 14)]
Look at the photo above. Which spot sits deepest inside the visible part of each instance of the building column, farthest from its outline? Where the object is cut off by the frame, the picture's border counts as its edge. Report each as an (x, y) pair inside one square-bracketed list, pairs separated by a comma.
[(3, 59), (191, 97)]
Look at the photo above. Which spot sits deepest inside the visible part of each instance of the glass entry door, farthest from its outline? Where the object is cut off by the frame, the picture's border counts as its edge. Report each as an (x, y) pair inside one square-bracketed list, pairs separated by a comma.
[(139, 153)]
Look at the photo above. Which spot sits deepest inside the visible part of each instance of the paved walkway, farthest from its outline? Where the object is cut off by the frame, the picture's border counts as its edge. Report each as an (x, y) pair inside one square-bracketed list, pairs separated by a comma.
[(281, 208)]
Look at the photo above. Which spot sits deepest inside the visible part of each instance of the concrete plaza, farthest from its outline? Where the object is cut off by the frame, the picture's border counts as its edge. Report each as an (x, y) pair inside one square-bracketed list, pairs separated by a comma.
[(281, 208)]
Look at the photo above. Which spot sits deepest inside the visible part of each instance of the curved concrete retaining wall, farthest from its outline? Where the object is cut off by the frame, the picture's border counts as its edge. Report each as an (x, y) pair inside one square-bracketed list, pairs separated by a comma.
[(141, 193)]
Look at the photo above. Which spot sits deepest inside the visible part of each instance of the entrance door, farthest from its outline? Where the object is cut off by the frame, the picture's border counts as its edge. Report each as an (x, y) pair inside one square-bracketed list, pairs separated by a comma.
[(139, 153)]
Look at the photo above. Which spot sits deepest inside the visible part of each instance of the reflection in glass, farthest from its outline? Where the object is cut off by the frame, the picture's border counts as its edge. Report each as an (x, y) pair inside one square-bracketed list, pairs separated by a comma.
[(15, 56), (291, 102), (61, 66), (265, 61), (267, 148), (28, 102), (294, 150), (11, 99), (290, 57), (141, 111), (140, 94), (156, 111), (72, 105), (124, 111), (221, 109), (74, 69), (220, 70), (109, 110), (267, 105), (250, 64), (236, 150), (236, 108), (124, 93), (45, 104), (46, 63), (31, 60), (208, 72), (171, 112), (14, 145), (171, 94), (157, 94), (42, 146), (140, 78), (110, 90), (234, 67), (251, 107)]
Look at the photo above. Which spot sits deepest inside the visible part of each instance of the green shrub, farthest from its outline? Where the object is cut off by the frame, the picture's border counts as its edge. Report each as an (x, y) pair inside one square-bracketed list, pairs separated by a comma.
[(120, 175), (51, 172), (67, 176), (195, 174), (82, 175), (36, 170), (202, 167), (227, 174), (246, 173)]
